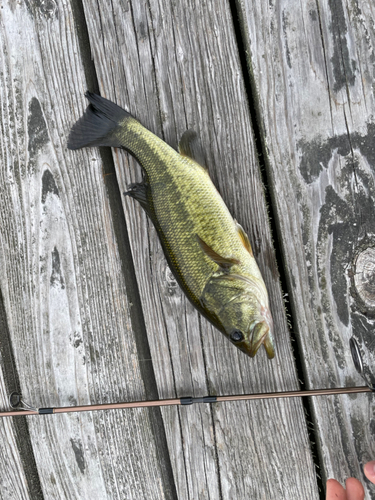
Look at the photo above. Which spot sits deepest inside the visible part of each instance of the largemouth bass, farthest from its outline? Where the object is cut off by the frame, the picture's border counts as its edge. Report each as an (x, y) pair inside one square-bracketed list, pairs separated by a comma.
[(208, 252)]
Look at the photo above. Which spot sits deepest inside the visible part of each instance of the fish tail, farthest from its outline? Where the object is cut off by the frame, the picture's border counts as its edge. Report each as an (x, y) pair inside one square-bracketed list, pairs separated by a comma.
[(99, 125)]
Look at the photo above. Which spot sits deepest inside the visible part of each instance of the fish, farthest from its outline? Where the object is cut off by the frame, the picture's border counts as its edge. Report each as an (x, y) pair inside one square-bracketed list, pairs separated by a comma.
[(207, 250)]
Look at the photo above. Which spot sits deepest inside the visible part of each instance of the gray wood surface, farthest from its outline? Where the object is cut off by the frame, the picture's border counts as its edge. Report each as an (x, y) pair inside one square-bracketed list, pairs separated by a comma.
[(13, 483), (176, 67), (312, 65), (72, 327), (61, 276)]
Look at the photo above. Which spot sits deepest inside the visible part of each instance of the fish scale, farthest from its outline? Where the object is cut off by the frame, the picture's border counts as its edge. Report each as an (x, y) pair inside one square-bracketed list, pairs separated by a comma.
[(180, 186), (207, 251)]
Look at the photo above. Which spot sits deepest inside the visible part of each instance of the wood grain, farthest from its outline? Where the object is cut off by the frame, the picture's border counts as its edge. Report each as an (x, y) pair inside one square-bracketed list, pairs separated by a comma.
[(16, 480), (13, 481), (312, 66), (61, 275), (176, 67)]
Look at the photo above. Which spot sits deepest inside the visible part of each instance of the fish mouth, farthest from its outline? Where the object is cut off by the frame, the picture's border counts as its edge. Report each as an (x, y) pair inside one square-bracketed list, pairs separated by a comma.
[(267, 341), (262, 334)]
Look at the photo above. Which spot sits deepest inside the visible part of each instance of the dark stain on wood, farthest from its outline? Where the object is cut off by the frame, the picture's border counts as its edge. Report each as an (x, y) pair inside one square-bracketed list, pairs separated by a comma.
[(313, 15), (56, 276), (363, 328), (343, 229), (316, 154), (78, 453), (48, 185), (347, 217), (37, 130), (344, 69), (285, 31)]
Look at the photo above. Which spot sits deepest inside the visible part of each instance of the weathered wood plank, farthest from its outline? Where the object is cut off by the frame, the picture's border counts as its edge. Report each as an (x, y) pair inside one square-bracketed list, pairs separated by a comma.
[(13, 482), (175, 67), (312, 65), (16, 480), (61, 274)]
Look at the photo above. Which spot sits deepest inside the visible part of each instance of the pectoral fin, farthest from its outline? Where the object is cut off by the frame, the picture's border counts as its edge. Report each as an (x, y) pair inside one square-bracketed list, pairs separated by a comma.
[(224, 262), (244, 238), (191, 147), (139, 191)]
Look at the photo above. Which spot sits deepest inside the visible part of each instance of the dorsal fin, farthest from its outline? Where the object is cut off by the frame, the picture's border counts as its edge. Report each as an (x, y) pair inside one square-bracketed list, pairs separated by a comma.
[(191, 147), (224, 262), (244, 238)]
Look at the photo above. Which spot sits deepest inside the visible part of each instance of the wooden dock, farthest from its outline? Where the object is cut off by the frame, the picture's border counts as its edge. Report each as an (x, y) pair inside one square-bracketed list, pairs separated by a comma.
[(282, 95)]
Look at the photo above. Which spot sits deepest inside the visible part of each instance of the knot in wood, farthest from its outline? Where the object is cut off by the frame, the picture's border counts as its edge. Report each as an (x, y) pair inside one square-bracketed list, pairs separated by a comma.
[(48, 8), (171, 281), (364, 277)]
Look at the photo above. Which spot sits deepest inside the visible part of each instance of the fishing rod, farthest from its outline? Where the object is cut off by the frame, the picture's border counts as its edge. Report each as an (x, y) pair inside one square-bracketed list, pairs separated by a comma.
[(21, 408)]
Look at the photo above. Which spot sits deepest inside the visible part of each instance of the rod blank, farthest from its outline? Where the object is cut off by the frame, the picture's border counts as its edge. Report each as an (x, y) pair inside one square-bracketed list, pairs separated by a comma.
[(187, 401)]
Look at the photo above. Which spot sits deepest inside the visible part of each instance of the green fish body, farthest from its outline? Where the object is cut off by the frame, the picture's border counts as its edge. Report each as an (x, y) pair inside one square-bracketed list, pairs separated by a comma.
[(207, 250)]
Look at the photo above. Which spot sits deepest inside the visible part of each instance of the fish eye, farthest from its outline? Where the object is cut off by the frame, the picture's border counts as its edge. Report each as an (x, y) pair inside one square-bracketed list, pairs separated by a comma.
[(236, 335)]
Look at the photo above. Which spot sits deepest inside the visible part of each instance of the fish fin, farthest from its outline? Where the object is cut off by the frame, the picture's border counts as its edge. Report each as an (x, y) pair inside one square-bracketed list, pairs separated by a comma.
[(244, 238), (224, 262), (97, 126), (139, 191), (191, 147)]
